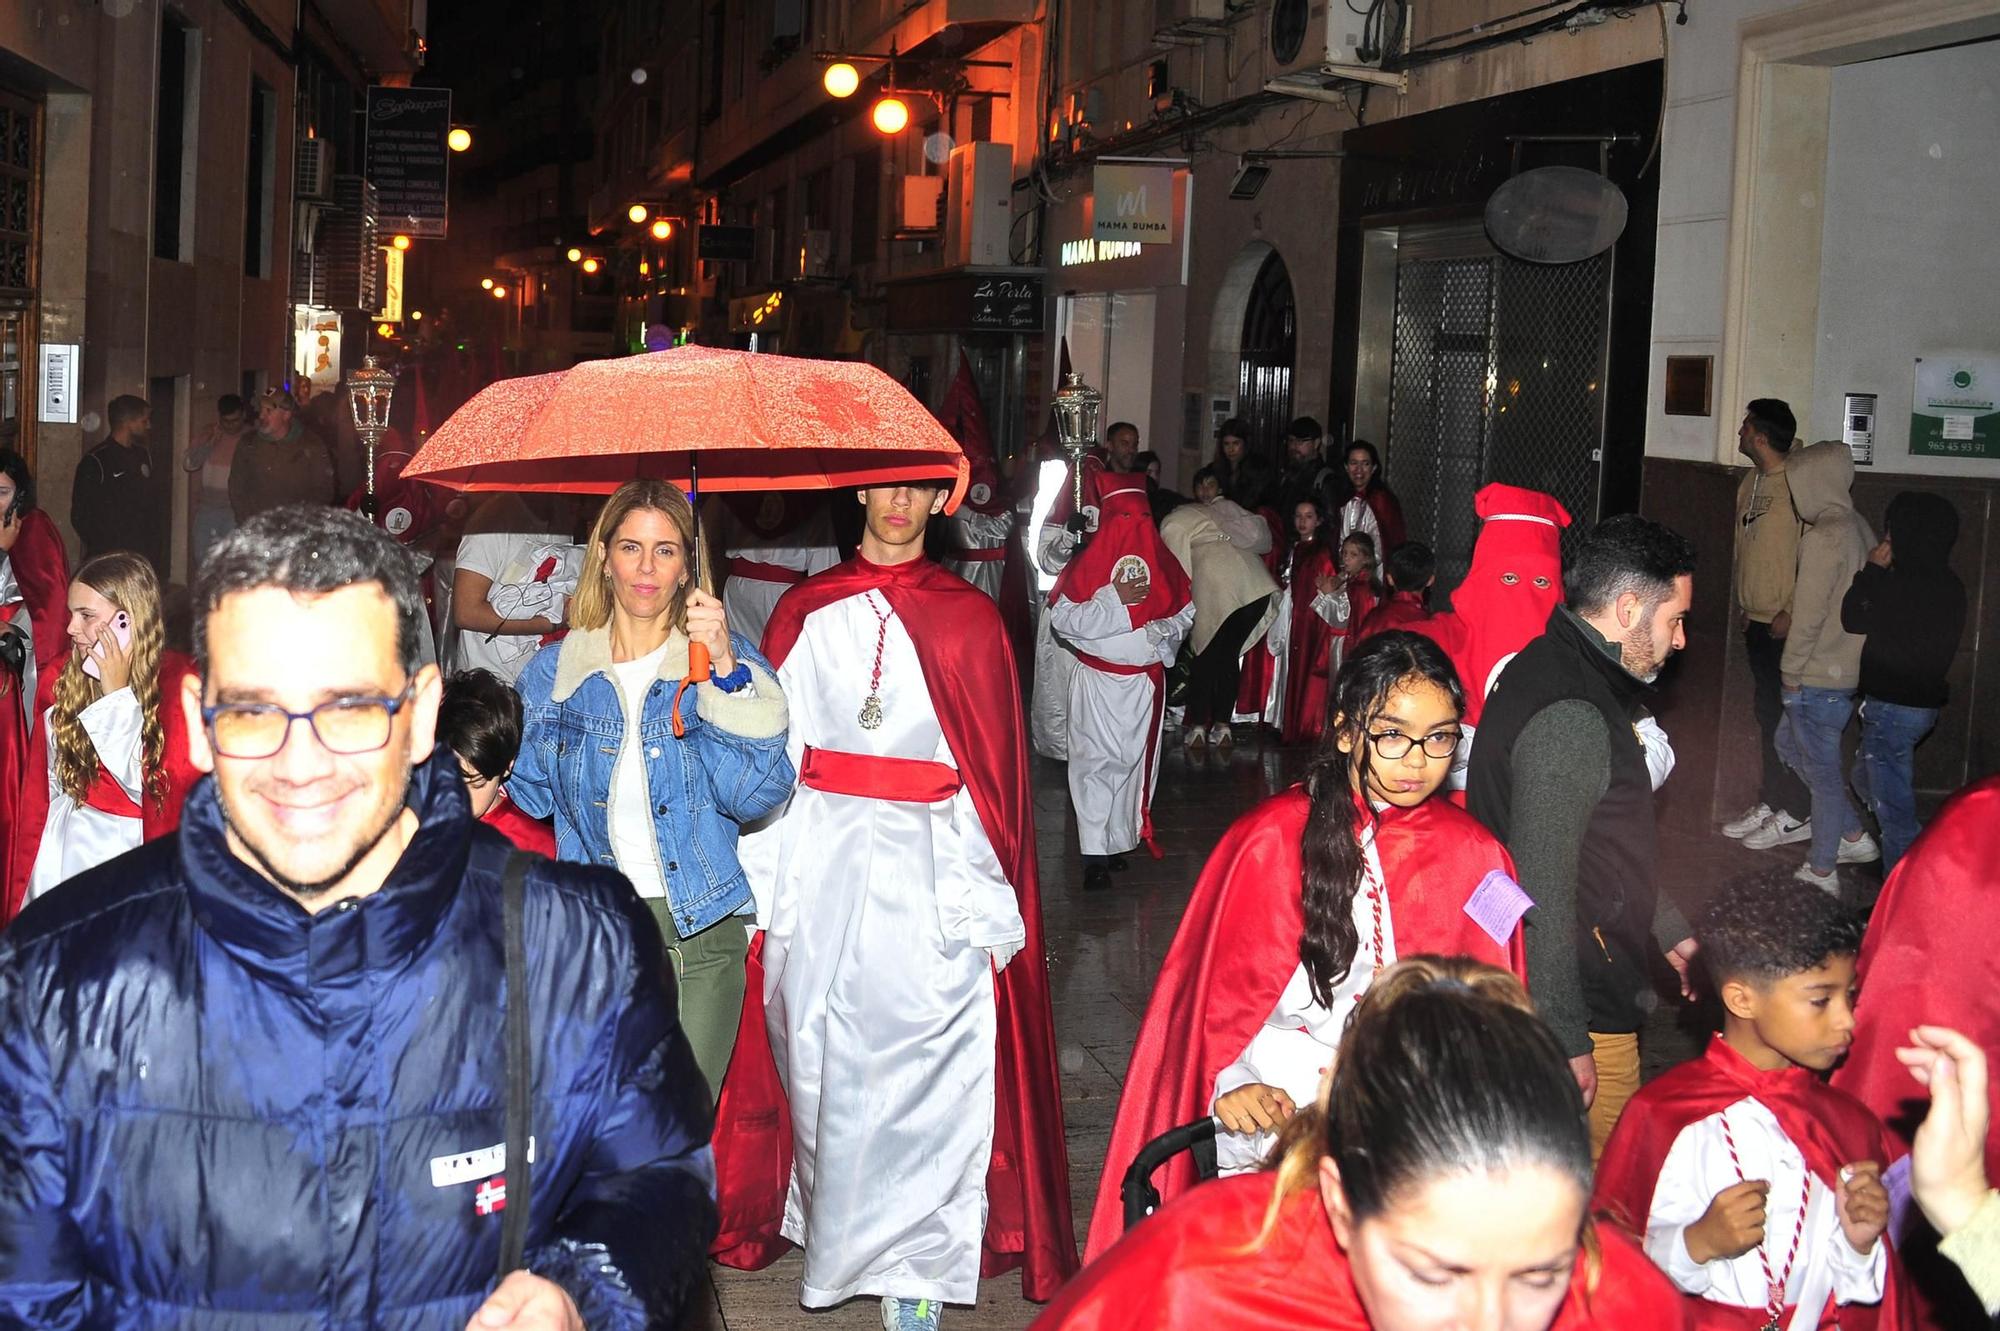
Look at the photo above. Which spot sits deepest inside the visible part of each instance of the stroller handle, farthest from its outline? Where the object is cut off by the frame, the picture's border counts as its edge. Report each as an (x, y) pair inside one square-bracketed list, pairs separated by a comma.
[(1137, 1192)]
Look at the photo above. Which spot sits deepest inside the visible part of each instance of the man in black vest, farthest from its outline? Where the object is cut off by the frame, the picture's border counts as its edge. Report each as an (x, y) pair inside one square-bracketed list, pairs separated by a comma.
[(1558, 729)]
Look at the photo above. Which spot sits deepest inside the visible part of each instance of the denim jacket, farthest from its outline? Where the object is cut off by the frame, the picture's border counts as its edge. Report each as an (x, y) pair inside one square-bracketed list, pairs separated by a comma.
[(730, 768)]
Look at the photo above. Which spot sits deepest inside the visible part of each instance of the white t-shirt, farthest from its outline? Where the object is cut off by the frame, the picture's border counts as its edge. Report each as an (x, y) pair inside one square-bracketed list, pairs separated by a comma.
[(515, 563), (635, 843)]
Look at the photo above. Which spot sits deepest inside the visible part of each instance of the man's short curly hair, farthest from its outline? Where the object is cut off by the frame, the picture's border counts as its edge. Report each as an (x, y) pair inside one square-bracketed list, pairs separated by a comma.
[(1768, 925)]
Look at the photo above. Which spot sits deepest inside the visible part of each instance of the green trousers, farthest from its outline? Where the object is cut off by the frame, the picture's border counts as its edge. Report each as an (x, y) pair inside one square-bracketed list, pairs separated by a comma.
[(708, 972)]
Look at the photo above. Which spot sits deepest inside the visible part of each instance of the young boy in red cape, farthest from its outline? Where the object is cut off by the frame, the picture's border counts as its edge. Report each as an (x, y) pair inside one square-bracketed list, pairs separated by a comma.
[(1925, 963), (1753, 1185), (913, 823), (1240, 1025), (1123, 605), (1504, 602), (1407, 575)]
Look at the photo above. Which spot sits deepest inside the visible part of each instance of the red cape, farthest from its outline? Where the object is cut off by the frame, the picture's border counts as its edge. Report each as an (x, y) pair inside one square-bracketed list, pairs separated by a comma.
[(1917, 968), (157, 817), (969, 669), (1829, 1127), (1514, 582), (1309, 654), (1238, 947), (1399, 611), (521, 830), (41, 567), (1192, 1268)]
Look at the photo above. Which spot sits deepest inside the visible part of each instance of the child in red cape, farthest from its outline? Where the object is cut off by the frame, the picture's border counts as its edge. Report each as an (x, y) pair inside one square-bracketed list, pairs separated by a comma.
[(1307, 897), (1755, 1186), (1305, 630), (479, 720), (1442, 1180)]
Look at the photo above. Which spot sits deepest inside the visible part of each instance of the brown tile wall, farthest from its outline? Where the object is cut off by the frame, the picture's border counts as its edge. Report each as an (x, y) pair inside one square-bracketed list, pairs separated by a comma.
[(1705, 704)]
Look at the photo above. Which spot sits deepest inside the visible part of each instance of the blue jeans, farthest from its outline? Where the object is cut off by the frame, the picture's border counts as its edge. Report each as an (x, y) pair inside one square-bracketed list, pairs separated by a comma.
[(1883, 771), (1809, 742)]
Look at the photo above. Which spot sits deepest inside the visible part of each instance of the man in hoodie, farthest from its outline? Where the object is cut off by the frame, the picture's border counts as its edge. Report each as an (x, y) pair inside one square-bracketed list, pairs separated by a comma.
[(1911, 607), (1766, 564), (1821, 666)]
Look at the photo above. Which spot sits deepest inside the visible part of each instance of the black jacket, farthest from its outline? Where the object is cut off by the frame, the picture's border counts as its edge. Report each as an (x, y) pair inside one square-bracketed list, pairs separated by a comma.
[(1913, 611), (114, 503), (220, 1111), (1559, 774)]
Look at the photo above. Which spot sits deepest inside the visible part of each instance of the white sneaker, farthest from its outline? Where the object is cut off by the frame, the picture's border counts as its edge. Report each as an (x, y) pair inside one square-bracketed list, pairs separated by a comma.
[(910, 1314), (1828, 883), (1780, 829), (1219, 734), (1195, 738), (1861, 850), (1753, 818)]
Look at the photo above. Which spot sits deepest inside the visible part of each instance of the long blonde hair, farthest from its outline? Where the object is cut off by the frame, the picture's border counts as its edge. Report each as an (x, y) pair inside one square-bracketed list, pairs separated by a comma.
[(591, 607), (1443, 1064), (128, 582)]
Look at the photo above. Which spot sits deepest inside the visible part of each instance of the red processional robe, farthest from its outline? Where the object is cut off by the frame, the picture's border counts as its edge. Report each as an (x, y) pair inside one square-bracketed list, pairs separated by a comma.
[(158, 816), (1309, 653), (969, 670), (1398, 611), (41, 570), (1196, 1266), (522, 831), (1238, 947), (1829, 1128)]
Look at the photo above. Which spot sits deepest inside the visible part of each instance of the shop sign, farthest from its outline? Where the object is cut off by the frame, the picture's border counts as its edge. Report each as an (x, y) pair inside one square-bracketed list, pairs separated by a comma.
[(761, 313), (725, 244), (1007, 304), (392, 286), (409, 163), (998, 302), (1092, 250), (1955, 411), (1133, 202)]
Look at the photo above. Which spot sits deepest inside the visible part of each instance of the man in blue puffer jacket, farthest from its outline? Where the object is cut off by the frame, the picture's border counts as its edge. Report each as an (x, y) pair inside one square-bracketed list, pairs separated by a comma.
[(254, 1075)]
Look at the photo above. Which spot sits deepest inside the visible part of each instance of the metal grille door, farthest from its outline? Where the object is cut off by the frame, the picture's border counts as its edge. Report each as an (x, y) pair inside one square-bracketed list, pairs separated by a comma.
[(1497, 375)]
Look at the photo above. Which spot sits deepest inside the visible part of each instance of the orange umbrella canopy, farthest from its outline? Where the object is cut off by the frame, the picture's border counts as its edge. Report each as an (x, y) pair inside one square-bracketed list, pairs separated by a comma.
[(757, 422)]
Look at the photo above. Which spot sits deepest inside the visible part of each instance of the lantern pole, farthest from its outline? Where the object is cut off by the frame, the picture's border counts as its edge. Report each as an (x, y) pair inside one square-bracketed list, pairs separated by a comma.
[(369, 391), (1077, 406)]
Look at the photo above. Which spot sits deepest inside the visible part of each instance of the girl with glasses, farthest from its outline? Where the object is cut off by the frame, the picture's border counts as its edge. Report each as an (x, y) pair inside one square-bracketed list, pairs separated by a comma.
[(109, 765), (1305, 899)]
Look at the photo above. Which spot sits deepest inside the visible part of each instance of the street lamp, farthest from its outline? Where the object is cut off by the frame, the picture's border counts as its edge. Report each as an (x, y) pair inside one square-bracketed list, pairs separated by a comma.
[(573, 254), (1077, 406), (499, 293), (590, 265), (369, 390), (637, 213), (841, 79), (662, 229), (485, 284), (416, 316), (401, 242), (890, 116), (460, 139)]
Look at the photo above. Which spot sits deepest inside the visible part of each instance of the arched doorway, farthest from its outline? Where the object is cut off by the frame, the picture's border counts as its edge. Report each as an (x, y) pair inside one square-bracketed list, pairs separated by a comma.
[(1264, 363)]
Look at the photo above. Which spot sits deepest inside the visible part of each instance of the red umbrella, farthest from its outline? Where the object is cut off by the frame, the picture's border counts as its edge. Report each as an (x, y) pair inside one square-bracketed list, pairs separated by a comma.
[(756, 422)]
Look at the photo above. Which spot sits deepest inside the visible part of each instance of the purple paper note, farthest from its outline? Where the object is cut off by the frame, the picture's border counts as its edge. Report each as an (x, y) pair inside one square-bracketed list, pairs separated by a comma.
[(1497, 905), (1896, 1181)]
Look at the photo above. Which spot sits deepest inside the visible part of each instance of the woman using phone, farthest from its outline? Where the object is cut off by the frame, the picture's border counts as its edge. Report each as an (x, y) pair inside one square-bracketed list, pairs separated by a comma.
[(109, 766), (34, 581)]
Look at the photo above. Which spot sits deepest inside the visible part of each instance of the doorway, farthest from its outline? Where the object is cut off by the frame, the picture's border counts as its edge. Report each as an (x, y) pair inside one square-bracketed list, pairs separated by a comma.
[(1264, 364)]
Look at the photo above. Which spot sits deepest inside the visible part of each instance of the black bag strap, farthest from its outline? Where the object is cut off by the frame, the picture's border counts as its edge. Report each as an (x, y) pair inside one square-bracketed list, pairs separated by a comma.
[(520, 1064)]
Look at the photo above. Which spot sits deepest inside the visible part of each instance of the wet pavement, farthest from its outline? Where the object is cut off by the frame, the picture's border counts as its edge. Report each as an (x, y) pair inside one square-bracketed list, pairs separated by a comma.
[(1104, 950)]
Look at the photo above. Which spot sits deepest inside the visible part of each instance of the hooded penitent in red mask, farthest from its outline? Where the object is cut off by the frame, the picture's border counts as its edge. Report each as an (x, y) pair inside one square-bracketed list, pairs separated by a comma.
[(1514, 582), (1125, 532)]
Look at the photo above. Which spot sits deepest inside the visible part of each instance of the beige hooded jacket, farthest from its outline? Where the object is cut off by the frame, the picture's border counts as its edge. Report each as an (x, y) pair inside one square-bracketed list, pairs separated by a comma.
[(1819, 653)]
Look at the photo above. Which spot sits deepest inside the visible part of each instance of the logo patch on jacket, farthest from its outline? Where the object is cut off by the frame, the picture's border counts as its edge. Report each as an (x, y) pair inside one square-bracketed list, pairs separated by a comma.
[(448, 1171)]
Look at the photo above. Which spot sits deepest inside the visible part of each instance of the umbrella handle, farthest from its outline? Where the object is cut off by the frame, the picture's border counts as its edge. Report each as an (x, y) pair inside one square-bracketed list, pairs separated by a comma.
[(699, 669)]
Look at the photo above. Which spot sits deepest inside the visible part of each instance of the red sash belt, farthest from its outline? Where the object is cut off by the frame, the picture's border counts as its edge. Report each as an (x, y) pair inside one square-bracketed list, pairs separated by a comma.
[(1156, 670), (751, 568), (107, 796), (987, 555), (905, 780)]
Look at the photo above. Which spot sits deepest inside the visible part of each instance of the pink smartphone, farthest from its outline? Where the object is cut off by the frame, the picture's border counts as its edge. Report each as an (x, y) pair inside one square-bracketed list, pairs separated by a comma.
[(121, 628)]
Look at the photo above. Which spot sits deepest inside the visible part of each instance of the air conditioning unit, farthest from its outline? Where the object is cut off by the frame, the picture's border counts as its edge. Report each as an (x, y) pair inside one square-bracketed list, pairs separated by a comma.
[(305, 223), (979, 208), (344, 269), (1322, 48), (816, 254), (313, 174), (922, 199)]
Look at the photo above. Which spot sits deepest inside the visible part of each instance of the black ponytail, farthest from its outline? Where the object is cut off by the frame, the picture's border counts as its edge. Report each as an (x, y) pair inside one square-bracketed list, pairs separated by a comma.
[(1330, 849)]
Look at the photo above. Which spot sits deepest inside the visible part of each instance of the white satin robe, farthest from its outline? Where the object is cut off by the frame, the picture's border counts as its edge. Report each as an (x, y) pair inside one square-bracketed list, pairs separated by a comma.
[(972, 530), (76, 836), (748, 600), (1055, 664), (1114, 731), (883, 924)]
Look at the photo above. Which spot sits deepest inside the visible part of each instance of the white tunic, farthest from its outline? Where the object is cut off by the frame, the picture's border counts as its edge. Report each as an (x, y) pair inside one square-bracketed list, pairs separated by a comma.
[(884, 922), (980, 531), (76, 836), (747, 599), (511, 561), (1698, 1167), (1294, 1047), (1055, 665), (1114, 719)]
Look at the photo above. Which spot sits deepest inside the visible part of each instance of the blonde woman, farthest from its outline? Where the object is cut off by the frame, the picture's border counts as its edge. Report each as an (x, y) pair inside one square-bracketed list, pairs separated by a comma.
[(600, 753), (1442, 1181), (110, 763)]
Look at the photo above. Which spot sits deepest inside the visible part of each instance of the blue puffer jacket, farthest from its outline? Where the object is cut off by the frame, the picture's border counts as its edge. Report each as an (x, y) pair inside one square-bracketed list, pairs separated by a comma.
[(730, 767), (220, 1112)]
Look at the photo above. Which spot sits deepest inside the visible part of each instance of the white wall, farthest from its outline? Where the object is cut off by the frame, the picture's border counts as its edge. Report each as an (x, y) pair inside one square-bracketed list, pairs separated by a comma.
[(1911, 254)]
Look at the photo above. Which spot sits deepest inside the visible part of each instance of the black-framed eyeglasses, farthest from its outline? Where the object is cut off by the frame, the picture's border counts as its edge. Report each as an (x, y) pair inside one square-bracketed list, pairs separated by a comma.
[(346, 726), (1393, 744)]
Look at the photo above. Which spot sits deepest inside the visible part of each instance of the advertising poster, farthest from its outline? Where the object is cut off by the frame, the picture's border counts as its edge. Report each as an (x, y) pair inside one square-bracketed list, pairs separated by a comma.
[(1955, 410)]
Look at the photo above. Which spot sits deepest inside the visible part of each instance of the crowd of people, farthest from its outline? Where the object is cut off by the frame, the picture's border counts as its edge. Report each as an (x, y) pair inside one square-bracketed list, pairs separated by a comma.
[(438, 941)]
